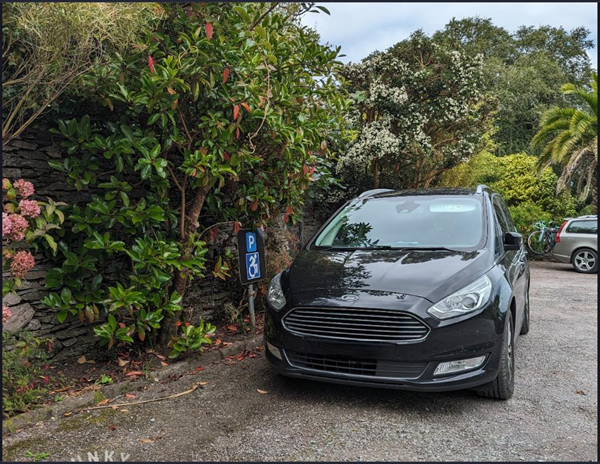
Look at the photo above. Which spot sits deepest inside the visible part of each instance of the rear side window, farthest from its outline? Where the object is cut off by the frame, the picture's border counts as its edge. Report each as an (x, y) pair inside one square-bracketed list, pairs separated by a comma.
[(583, 227)]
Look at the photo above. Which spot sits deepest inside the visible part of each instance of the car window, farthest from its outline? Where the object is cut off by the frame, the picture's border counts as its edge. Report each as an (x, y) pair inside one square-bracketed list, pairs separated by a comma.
[(449, 221), (499, 213), (583, 227), (509, 220), (498, 242)]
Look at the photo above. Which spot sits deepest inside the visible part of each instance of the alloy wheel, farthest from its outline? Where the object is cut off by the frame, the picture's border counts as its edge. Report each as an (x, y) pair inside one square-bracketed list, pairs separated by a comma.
[(585, 260)]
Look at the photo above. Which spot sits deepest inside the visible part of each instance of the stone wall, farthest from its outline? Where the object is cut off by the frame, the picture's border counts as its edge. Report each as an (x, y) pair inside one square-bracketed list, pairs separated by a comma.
[(28, 158)]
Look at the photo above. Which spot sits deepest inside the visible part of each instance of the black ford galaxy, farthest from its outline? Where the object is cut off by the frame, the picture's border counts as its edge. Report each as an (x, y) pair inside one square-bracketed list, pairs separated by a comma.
[(420, 290)]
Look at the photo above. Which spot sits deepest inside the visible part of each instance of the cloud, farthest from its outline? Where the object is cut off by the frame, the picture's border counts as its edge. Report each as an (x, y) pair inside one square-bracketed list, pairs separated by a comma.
[(361, 28)]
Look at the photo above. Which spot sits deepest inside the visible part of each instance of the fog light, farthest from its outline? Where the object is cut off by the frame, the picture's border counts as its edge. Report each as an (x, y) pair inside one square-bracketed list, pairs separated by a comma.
[(452, 367), (274, 351)]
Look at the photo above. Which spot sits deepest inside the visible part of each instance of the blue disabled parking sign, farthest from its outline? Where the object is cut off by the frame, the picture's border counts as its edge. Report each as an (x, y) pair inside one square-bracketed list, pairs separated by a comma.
[(251, 255), (252, 266)]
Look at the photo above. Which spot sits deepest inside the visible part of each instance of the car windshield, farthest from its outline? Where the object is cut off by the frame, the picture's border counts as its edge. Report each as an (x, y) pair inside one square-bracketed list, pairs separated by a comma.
[(428, 221)]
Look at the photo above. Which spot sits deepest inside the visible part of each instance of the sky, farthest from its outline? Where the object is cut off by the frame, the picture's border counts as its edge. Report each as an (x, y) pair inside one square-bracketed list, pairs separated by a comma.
[(361, 28)]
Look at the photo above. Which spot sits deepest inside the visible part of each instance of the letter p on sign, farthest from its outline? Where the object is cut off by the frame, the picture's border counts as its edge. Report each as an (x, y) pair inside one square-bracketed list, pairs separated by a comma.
[(250, 241)]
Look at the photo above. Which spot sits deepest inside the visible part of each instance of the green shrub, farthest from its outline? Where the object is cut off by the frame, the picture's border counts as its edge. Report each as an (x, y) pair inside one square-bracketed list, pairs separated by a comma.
[(26, 375)]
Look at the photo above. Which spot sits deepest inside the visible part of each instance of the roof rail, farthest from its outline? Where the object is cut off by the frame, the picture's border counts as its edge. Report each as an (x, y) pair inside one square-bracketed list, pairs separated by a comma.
[(482, 187), (370, 193)]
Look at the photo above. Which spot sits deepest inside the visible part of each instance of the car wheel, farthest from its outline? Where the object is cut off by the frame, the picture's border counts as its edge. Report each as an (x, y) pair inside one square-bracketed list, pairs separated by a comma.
[(585, 261), (503, 386)]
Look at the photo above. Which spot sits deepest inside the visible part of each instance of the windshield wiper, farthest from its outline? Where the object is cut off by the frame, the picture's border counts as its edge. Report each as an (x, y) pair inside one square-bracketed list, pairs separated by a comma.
[(426, 249), (385, 247)]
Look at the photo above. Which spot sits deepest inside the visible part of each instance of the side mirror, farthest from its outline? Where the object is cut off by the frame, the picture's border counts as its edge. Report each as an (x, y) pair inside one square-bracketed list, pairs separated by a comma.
[(512, 241)]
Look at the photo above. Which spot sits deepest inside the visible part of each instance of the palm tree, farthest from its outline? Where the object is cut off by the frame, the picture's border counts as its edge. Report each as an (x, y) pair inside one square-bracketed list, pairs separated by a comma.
[(569, 137)]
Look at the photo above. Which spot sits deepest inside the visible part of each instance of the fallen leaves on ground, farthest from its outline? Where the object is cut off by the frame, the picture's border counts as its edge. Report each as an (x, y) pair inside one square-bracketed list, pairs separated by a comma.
[(199, 368), (67, 414), (149, 440), (580, 392), (83, 360), (131, 396), (134, 373), (262, 392), (122, 362), (106, 401), (112, 427)]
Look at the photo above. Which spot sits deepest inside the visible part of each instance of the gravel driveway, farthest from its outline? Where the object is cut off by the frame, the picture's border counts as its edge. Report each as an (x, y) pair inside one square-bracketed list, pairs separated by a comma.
[(552, 416)]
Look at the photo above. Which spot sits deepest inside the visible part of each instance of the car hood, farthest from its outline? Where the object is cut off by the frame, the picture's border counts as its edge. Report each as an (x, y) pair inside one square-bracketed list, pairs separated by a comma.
[(432, 275)]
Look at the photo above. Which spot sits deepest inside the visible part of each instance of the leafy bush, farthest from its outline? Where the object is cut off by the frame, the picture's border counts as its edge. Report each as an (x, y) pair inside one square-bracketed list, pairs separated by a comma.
[(531, 197), (47, 47), (26, 378), (220, 117), (526, 214)]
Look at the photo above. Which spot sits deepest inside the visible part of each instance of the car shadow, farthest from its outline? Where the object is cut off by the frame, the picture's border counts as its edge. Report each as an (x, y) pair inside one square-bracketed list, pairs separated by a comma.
[(314, 392)]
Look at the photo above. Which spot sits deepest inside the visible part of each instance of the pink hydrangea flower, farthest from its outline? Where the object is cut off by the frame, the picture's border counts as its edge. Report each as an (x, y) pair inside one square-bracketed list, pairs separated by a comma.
[(29, 208), (18, 227), (24, 188), (6, 225), (6, 314), (5, 184), (22, 263)]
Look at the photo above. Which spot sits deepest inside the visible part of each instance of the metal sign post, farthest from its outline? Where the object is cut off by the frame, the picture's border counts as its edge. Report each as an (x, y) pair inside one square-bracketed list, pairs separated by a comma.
[(252, 264), (251, 305)]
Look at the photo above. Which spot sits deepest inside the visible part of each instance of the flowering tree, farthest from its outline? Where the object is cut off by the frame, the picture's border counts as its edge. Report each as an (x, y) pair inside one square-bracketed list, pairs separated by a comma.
[(418, 112), (24, 222)]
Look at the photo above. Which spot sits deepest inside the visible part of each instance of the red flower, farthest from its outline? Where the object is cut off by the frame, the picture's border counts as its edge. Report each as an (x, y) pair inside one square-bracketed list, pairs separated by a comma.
[(187, 324), (151, 64), (209, 30)]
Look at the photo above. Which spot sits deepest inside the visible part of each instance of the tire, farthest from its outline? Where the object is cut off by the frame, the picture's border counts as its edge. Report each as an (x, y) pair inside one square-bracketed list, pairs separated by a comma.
[(585, 260), (502, 387), (536, 243), (525, 326)]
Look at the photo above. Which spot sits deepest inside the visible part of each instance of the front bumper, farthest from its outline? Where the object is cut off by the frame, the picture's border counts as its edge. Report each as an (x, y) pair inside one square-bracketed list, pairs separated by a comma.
[(480, 335)]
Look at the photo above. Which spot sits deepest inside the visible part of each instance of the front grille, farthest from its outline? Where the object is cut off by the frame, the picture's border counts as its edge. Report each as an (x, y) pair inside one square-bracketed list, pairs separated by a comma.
[(356, 324), (359, 367)]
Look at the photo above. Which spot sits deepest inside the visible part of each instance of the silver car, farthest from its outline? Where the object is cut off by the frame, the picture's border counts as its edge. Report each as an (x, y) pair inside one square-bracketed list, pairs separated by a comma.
[(577, 243)]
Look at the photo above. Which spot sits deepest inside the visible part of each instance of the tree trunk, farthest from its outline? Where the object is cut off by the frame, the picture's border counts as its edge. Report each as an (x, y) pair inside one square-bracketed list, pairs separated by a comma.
[(375, 174), (168, 327)]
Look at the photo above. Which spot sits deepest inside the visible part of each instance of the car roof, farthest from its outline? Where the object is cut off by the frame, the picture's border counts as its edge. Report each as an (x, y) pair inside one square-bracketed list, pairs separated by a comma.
[(587, 217), (420, 191)]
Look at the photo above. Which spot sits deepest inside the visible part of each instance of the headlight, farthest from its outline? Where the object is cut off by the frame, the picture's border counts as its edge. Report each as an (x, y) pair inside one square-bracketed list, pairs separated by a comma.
[(275, 296), (466, 300)]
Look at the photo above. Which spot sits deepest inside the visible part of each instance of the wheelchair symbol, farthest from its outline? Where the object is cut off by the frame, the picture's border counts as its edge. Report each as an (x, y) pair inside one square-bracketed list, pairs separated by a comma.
[(252, 266)]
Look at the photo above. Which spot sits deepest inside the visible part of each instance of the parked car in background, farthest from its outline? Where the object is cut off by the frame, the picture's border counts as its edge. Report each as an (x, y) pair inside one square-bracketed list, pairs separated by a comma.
[(577, 243), (416, 289)]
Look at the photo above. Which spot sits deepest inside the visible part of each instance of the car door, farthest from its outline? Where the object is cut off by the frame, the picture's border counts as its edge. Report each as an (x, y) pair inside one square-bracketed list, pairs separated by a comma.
[(514, 261)]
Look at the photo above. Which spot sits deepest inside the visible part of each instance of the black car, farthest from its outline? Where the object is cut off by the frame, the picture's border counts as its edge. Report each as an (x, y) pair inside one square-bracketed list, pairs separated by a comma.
[(416, 289)]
